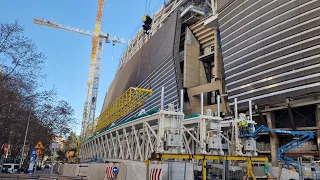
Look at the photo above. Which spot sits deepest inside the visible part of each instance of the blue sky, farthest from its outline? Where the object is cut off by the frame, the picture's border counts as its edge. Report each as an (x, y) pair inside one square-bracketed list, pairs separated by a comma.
[(68, 53)]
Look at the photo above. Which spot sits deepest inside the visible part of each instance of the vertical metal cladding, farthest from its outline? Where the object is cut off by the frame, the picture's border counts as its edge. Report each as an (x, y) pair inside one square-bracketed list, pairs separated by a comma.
[(162, 69), (162, 64), (271, 49)]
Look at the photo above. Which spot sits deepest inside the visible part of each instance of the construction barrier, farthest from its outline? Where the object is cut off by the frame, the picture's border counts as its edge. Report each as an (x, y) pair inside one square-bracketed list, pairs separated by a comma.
[(95, 171), (171, 170), (136, 170), (82, 170), (121, 175)]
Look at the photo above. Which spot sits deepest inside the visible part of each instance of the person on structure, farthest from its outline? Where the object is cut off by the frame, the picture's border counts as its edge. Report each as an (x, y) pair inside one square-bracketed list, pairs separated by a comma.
[(244, 124), (240, 128)]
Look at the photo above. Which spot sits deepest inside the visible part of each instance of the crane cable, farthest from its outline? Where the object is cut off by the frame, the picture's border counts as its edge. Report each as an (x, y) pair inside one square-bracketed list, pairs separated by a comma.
[(147, 10), (139, 65), (149, 69), (147, 6), (112, 51), (149, 46), (141, 58)]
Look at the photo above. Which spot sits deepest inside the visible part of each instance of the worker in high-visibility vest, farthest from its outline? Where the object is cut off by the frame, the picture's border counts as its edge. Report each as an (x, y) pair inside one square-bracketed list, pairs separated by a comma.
[(240, 128), (244, 124)]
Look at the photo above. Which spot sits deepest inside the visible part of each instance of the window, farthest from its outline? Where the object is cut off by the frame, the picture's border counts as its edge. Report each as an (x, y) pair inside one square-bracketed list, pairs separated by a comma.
[(207, 70), (212, 48), (201, 51), (6, 166), (16, 167)]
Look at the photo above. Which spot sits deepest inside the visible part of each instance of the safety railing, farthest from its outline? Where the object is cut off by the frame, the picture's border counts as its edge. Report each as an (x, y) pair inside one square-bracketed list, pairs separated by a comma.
[(127, 102)]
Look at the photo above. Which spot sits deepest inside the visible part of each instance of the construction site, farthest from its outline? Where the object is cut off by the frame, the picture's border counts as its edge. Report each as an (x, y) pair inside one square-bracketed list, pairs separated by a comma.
[(207, 89)]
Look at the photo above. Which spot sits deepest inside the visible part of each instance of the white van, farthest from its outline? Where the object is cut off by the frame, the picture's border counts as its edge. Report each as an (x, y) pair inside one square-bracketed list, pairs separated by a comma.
[(10, 168)]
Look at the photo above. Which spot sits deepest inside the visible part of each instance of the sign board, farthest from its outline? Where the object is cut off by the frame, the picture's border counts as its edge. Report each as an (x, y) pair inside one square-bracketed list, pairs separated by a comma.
[(109, 172), (54, 146), (39, 152), (5, 149), (39, 145), (115, 170), (156, 174), (32, 160)]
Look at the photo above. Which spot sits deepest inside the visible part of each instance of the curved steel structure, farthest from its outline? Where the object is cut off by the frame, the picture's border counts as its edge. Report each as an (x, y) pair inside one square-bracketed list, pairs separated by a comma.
[(271, 49)]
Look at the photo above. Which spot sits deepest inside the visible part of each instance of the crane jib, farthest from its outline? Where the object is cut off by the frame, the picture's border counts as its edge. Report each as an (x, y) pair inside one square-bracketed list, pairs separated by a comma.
[(95, 60)]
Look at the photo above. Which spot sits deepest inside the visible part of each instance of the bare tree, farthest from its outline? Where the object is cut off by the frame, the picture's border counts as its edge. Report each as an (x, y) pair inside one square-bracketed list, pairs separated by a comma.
[(18, 55), (20, 76)]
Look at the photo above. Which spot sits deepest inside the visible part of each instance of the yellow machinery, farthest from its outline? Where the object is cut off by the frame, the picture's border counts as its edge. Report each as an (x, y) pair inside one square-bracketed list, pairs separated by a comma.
[(204, 158), (127, 102)]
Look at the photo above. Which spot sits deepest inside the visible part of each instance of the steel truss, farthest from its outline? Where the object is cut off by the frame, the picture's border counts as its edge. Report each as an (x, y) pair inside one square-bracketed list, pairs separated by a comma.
[(163, 132)]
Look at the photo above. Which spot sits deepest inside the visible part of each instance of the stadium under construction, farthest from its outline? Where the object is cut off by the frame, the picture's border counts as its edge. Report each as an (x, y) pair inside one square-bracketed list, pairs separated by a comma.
[(215, 87)]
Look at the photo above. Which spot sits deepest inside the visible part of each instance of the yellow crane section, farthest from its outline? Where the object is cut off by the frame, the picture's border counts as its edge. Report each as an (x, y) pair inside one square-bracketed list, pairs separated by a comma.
[(94, 74), (98, 38), (126, 103), (95, 38)]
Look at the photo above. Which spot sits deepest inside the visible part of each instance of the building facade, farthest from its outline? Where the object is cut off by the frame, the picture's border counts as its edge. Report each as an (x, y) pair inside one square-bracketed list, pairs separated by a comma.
[(267, 51), (179, 53), (271, 55)]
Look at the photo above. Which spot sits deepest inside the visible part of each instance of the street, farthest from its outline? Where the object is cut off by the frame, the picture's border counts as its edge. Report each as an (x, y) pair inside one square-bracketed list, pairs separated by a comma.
[(40, 174)]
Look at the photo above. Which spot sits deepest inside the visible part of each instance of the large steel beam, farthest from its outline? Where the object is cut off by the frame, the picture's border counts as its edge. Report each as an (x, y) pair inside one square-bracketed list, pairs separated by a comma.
[(292, 104), (291, 118), (262, 119)]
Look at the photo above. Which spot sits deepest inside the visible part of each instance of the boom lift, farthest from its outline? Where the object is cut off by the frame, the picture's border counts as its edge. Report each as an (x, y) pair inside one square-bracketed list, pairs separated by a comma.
[(302, 137)]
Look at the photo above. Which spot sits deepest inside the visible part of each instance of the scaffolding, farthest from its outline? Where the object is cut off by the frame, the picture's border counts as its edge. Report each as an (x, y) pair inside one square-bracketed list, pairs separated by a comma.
[(126, 103)]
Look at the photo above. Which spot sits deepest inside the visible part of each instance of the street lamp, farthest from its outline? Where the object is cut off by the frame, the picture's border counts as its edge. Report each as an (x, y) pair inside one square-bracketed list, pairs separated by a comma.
[(25, 139)]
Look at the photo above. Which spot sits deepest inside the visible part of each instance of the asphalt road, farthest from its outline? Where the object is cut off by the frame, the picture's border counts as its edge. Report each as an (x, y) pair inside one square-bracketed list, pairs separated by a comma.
[(41, 174)]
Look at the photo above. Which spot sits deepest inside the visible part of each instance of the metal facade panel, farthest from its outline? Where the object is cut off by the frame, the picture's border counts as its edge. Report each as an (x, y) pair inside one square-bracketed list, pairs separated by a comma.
[(160, 48), (222, 4), (265, 41), (163, 70)]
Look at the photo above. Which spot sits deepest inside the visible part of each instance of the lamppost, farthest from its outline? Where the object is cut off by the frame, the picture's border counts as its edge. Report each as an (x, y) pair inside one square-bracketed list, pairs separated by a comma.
[(25, 139)]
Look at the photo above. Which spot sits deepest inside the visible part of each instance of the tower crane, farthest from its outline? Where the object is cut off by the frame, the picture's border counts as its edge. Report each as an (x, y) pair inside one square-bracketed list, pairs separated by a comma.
[(98, 38)]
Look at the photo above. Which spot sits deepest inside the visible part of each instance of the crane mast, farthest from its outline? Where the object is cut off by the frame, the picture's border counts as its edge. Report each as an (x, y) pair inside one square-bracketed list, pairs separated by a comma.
[(94, 73), (98, 38)]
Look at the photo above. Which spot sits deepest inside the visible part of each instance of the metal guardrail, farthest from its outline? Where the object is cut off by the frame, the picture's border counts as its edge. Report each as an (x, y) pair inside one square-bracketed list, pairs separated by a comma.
[(265, 147)]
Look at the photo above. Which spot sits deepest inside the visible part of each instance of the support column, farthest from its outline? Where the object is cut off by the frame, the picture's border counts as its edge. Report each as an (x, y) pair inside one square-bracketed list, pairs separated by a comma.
[(274, 140), (318, 126), (217, 60)]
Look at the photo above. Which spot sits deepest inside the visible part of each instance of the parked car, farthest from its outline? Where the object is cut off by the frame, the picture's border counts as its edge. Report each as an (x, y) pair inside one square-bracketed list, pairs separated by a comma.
[(10, 168)]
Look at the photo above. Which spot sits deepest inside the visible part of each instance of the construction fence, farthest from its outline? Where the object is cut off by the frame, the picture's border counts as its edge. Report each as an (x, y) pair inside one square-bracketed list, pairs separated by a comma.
[(308, 168)]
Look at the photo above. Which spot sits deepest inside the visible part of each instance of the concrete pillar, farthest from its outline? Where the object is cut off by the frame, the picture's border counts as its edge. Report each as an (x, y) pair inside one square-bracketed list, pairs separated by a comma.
[(191, 75), (318, 126), (217, 60), (274, 140)]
